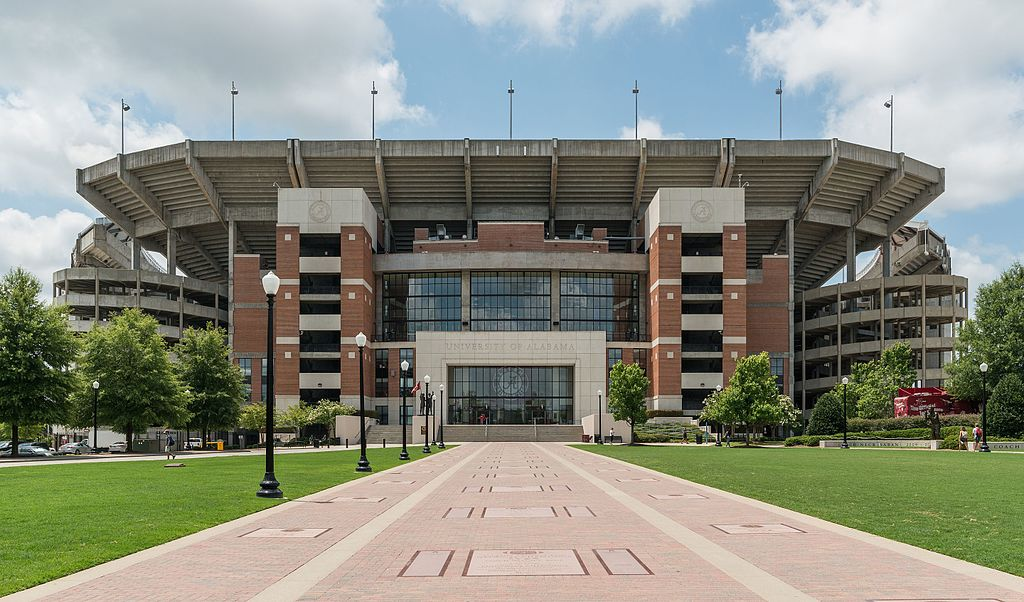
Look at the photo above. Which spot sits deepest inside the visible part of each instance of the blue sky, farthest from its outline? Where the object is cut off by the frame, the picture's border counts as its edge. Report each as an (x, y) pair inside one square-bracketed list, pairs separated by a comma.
[(706, 69)]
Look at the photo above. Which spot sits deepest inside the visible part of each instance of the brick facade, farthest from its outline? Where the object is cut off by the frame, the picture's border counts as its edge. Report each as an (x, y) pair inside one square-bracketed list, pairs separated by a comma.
[(767, 311)]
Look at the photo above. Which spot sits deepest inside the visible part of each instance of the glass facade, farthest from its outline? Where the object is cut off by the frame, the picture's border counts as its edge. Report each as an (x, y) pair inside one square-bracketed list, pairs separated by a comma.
[(413, 302), (614, 357), (510, 395), (601, 301), (779, 371), (381, 373), (515, 301), (245, 363)]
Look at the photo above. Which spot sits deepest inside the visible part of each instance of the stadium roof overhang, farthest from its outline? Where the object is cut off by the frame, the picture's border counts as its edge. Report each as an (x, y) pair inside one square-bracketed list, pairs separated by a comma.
[(201, 189)]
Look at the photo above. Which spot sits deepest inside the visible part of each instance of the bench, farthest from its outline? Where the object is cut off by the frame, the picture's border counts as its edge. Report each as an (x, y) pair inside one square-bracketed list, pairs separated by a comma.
[(612, 438)]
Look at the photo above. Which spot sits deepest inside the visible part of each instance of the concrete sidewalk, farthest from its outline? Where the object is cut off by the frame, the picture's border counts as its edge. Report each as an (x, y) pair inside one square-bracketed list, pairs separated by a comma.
[(530, 521)]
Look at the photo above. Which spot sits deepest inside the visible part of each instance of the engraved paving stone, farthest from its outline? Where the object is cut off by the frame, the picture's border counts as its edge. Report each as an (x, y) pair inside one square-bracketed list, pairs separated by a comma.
[(525, 563), (621, 561), (579, 511), (364, 500), (757, 528), (677, 496), (393, 482), (427, 563), (519, 512), (515, 488), (640, 480), (459, 512), (287, 533)]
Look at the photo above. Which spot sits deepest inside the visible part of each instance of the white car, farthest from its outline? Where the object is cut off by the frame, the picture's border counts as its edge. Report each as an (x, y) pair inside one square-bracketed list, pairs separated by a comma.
[(118, 447), (77, 448)]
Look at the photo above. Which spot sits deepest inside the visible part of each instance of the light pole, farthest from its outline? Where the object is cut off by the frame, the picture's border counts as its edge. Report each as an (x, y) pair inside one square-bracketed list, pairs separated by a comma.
[(600, 430), (95, 412), (888, 104), (845, 445), (405, 370), (440, 427), (373, 110), (124, 109), (718, 431), (636, 110), (984, 408), (234, 93), (363, 465), (270, 487), (426, 415), (511, 91), (778, 92)]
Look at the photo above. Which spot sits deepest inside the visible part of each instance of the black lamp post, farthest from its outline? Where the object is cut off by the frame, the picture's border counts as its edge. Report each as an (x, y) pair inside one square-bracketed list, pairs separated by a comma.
[(718, 431), (270, 487), (984, 408), (405, 370), (600, 436), (845, 445), (426, 415), (95, 412), (440, 427), (363, 465)]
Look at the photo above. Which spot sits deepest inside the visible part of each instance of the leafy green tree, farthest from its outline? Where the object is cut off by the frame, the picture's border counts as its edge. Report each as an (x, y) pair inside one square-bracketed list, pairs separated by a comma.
[(296, 417), (752, 397), (253, 417), (216, 385), (37, 350), (325, 412), (138, 384), (875, 383), (627, 392), (827, 415), (1006, 407), (994, 336), (717, 408)]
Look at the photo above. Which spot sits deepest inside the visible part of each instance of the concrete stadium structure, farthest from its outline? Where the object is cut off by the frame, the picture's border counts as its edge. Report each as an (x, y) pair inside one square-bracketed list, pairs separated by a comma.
[(518, 270)]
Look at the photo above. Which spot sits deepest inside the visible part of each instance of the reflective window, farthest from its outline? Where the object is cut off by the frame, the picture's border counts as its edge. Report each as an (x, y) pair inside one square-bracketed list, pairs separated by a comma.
[(381, 373), (778, 371), (510, 395), (406, 380), (413, 302), (511, 301), (614, 357), (601, 301), (245, 363)]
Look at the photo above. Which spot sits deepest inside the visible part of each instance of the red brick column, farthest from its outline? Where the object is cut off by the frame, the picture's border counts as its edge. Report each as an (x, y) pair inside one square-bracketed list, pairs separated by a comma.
[(767, 310), (286, 313), (357, 308), (734, 310), (666, 266)]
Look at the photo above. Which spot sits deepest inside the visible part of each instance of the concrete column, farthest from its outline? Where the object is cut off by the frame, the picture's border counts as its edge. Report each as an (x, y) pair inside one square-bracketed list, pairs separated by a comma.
[(790, 250), (887, 257), (172, 252), (181, 307), (96, 294), (556, 299), (803, 362), (839, 332), (851, 255), (232, 241), (136, 254), (924, 330), (881, 313), (467, 300)]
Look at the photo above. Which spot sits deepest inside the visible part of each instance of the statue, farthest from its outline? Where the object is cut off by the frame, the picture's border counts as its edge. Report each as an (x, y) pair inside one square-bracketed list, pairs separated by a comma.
[(932, 417)]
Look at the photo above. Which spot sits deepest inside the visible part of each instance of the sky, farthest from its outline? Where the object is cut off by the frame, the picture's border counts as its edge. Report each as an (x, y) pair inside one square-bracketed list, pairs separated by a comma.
[(705, 69)]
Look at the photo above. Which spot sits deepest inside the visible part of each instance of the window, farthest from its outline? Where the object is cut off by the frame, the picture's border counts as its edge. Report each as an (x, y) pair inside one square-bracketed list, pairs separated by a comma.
[(319, 245), (702, 340), (702, 284), (640, 359), (614, 357), (413, 302), (702, 245), (263, 380), (601, 301), (319, 284), (319, 308), (511, 301), (319, 340), (319, 366), (245, 364), (779, 371), (510, 395), (407, 379), (381, 374)]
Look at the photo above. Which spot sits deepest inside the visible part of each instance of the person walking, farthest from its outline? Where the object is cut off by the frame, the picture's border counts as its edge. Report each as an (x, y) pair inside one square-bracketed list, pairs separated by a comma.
[(977, 437), (963, 438), (169, 447), (611, 435)]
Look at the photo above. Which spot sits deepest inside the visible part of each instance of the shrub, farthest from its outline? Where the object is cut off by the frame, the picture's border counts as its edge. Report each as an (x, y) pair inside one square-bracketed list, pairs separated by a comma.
[(1006, 407), (807, 440), (856, 425), (651, 438), (827, 415), (665, 413)]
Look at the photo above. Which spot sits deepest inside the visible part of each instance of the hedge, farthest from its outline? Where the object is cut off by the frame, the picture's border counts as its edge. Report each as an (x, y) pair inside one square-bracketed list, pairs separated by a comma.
[(666, 413), (857, 425)]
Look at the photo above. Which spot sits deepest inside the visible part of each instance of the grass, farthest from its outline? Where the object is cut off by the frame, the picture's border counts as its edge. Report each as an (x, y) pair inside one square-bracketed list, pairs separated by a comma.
[(60, 519), (966, 505)]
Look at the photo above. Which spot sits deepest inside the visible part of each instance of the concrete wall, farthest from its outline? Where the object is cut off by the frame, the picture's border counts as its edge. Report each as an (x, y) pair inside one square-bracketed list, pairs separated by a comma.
[(608, 422)]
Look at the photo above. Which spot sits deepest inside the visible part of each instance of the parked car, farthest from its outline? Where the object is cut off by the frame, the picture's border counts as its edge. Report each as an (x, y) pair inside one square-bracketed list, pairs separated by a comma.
[(118, 447), (77, 448), (30, 449), (194, 443)]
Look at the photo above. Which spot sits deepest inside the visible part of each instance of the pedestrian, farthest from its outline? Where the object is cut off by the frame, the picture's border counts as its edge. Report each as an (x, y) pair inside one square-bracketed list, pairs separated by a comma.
[(169, 447), (963, 438), (728, 438), (686, 438), (611, 435), (977, 437)]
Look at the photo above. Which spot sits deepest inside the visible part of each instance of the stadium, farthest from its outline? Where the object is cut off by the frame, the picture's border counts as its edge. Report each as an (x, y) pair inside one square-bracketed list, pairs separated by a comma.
[(518, 271)]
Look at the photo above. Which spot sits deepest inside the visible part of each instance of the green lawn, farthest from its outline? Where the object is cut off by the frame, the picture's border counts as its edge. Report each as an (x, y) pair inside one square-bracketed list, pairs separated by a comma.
[(966, 505), (59, 519)]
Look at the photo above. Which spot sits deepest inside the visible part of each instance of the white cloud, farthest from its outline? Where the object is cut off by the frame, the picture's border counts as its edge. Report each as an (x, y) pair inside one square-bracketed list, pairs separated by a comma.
[(41, 245), (648, 128), (981, 263), (558, 22), (954, 69), (301, 71)]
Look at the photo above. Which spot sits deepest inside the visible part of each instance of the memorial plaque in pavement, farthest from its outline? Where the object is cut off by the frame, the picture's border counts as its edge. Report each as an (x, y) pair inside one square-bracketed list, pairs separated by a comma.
[(640, 480), (621, 561), (287, 533), (579, 511), (757, 528), (515, 488), (393, 482), (519, 512), (677, 496), (523, 563), (459, 512), (427, 563), (364, 500)]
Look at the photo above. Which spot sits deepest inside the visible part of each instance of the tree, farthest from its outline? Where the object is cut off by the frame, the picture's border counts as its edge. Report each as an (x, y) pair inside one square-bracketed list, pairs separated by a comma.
[(752, 397), (1006, 407), (718, 409), (994, 336), (296, 416), (325, 412), (37, 350), (253, 417), (216, 385), (138, 384), (875, 383), (627, 392), (827, 415)]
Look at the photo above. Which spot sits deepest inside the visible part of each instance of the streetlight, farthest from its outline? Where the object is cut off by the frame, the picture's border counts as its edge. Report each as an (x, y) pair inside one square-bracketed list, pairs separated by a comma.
[(845, 445), (373, 110), (124, 109), (888, 104), (636, 110), (405, 370), (426, 415), (718, 442), (363, 465), (234, 93), (95, 412), (984, 409), (600, 438), (778, 92), (270, 487), (511, 91), (440, 427)]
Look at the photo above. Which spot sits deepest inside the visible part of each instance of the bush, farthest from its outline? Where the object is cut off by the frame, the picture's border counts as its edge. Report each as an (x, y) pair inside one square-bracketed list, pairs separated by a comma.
[(856, 425), (665, 413), (651, 438), (827, 415), (807, 440), (1006, 408)]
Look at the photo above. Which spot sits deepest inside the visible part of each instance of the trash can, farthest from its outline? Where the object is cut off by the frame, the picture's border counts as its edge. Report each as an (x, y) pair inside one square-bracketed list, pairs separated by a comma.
[(316, 443)]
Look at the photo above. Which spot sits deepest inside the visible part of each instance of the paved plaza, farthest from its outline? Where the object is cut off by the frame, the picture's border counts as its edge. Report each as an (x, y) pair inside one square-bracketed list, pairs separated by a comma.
[(530, 521)]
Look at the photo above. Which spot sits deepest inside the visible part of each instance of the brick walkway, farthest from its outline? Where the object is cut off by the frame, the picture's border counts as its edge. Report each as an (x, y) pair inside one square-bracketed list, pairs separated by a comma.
[(530, 522)]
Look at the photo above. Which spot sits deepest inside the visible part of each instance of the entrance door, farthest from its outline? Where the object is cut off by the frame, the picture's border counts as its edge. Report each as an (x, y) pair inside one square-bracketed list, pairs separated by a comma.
[(382, 414)]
